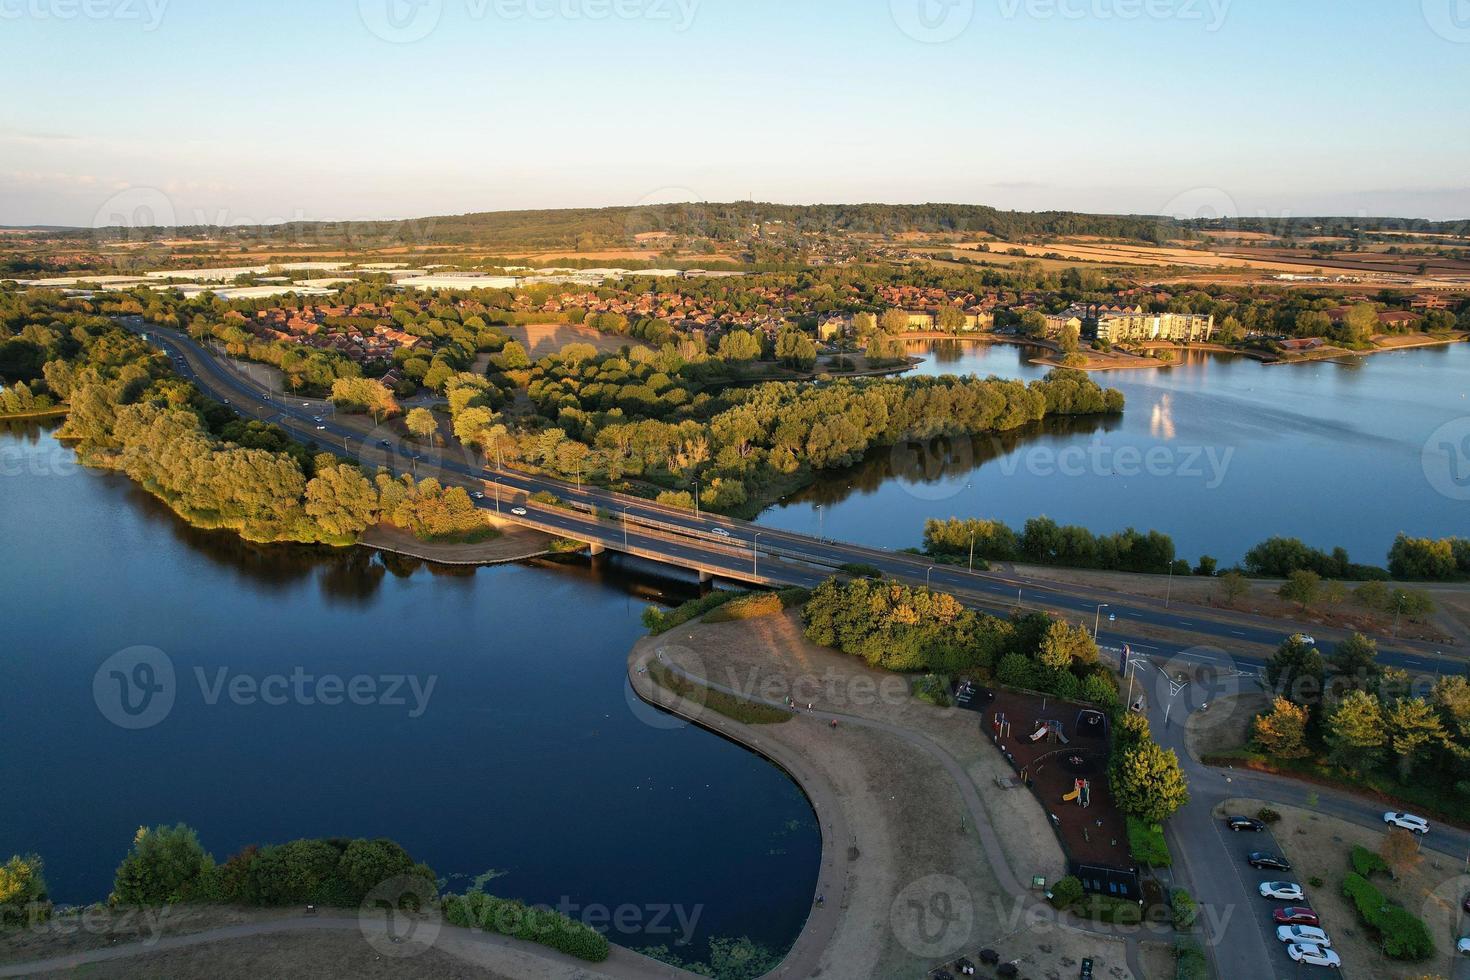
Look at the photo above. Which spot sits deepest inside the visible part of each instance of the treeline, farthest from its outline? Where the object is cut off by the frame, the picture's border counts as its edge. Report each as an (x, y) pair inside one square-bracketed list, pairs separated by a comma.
[(1042, 541), (594, 227), (914, 630), (167, 865), (1351, 717), (761, 439), (1409, 558), (129, 412)]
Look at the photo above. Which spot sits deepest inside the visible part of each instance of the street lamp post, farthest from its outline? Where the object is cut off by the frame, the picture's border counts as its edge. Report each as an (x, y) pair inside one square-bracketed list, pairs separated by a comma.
[(696, 495), (929, 577), (972, 552), (821, 518), (1097, 620), (1169, 590), (755, 555), (625, 527)]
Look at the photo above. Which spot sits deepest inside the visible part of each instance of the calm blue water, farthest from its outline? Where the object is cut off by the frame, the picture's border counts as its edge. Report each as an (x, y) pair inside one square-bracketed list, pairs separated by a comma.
[(528, 757), (1328, 452)]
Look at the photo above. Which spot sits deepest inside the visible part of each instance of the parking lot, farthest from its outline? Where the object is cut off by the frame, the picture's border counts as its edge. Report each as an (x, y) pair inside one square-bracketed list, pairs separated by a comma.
[(1239, 845)]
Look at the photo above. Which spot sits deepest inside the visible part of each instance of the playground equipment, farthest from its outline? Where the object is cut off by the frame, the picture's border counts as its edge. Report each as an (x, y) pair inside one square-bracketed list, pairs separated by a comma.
[(1000, 725), (1081, 792), (1091, 723), (1050, 729)]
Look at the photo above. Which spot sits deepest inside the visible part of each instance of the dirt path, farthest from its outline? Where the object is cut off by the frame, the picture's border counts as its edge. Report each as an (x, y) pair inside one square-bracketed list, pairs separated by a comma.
[(498, 955)]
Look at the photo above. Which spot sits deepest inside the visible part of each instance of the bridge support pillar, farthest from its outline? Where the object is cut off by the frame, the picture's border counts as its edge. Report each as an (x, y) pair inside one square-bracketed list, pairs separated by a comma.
[(705, 578), (595, 549)]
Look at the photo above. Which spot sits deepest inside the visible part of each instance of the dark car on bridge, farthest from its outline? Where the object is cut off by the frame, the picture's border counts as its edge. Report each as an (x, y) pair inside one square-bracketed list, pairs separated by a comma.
[(1244, 823), (1265, 859), (1296, 915)]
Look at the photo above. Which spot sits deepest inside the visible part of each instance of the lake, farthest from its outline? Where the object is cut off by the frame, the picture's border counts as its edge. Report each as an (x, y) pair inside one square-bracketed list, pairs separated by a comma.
[(526, 757), (1218, 451)]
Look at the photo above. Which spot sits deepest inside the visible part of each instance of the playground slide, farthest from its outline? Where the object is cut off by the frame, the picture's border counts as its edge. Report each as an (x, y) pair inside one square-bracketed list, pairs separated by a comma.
[(1063, 739), (1038, 735), (1072, 795)]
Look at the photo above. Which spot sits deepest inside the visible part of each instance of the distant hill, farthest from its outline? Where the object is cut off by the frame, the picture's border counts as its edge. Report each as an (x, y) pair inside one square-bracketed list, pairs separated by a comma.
[(593, 228)]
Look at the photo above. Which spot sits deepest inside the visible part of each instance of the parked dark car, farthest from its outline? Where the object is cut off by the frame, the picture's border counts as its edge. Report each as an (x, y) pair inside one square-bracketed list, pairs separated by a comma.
[(1238, 824), (1267, 860), (1466, 904), (1296, 915)]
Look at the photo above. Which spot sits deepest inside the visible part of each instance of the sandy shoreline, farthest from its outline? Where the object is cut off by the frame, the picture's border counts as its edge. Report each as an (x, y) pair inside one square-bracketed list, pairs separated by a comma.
[(906, 801)]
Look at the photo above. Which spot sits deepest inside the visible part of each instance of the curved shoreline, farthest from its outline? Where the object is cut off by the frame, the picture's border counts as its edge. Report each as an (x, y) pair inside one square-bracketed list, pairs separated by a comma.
[(826, 943), (805, 954)]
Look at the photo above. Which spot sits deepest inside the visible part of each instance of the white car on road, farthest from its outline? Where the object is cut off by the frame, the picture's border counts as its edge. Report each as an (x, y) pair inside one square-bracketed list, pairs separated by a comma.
[(720, 531), (1314, 955), (518, 511), (1286, 891), (1407, 821), (1303, 936)]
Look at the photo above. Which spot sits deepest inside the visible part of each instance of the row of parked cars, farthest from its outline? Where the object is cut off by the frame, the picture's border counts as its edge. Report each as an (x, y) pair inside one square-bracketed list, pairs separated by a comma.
[(1297, 925)]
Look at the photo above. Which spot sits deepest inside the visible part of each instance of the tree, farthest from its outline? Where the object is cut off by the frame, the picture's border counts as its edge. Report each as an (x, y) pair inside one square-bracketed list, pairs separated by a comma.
[(1148, 783), (1355, 732), (739, 345), (342, 501), (1069, 339), (1234, 587), (951, 319), (864, 324), (1412, 727), (1294, 667), (1360, 324), (1282, 733), (893, 321), (162, 866), (795, 349), (512, 357), (1065, 645), (1302, 587), (1399, 850), (1356, 656), (1033, 324), (22, 890), (364, 395), (421, 423)]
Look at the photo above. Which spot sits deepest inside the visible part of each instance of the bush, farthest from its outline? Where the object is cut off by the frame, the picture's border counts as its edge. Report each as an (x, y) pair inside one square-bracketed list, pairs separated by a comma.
[(1403, 936), (1066, 893), (1267, 815), (932, 689), (862, 570), (747, 607), (1184, 908), (1146, 841), (162, 868), (476, 910), (1367, 863), (657, 621), (1189, 961)]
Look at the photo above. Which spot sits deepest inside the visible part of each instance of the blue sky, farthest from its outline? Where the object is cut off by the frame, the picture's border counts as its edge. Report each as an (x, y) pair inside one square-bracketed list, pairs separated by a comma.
[(207, 110)]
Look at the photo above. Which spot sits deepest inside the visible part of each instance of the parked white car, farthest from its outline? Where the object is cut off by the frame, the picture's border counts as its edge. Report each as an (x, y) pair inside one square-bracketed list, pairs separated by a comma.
[(1286, 891), (1303, 936), (1314, 955), (1463, 946), (1407, 821)]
